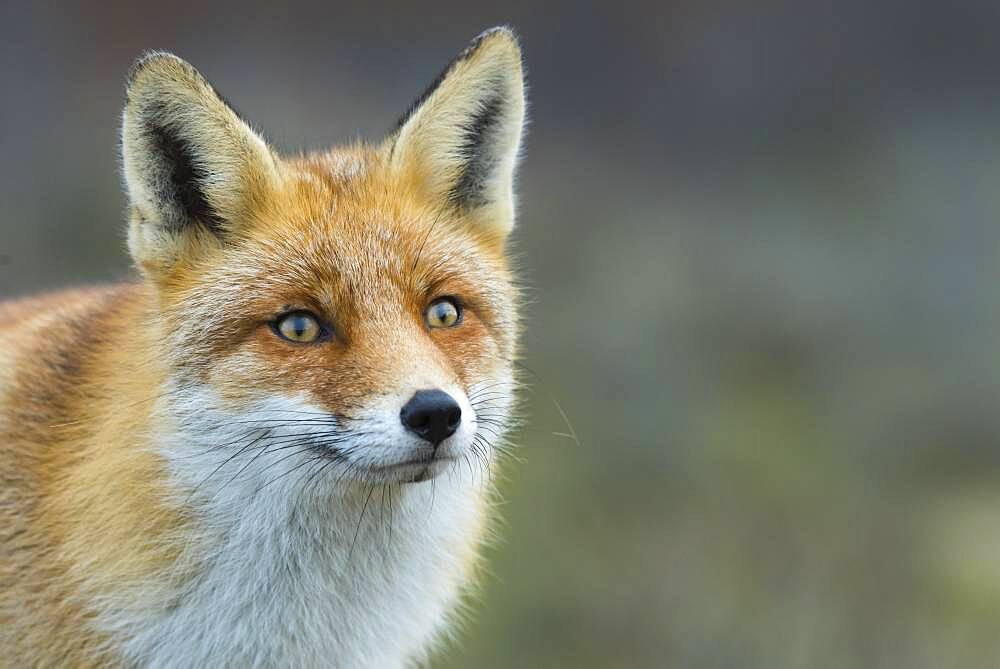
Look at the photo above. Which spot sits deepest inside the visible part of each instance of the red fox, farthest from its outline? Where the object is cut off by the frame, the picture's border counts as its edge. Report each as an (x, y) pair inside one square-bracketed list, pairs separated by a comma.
[(274, 448)]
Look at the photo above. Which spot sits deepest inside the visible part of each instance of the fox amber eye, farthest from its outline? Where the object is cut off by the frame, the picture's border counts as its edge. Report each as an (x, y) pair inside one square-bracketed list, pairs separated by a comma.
[(299, 327), (443, 313)]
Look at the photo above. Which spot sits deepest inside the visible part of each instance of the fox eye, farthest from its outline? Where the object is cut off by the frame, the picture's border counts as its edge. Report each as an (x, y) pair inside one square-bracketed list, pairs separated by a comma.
[(443, 313), (300, 327)]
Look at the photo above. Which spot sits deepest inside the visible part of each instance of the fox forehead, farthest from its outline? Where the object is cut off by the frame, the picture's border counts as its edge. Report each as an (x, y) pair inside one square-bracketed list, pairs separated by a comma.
[(337, 238)]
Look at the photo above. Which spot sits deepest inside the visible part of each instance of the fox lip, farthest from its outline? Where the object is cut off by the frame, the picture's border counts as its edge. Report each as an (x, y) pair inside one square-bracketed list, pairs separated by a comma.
[(415, 470)]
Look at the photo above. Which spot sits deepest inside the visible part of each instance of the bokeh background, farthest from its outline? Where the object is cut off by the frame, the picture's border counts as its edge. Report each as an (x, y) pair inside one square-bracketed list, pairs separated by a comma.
[(762, 250)]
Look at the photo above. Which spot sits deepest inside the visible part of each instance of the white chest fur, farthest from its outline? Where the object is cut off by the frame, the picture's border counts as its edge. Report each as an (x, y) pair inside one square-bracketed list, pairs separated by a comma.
[(283, 589)]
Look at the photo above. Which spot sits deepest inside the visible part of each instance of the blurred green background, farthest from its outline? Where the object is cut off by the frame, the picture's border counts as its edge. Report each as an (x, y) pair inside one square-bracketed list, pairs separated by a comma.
[(762, 252)]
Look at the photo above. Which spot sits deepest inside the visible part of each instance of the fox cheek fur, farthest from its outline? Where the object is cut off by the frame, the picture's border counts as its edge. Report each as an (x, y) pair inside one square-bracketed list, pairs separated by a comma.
[(275, 448)]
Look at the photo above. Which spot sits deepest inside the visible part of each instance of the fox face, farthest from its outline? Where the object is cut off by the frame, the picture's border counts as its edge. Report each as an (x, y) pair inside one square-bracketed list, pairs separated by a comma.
[(351, 311)]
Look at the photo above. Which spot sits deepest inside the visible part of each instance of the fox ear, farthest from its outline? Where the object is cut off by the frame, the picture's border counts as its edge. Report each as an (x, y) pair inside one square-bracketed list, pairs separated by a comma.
[(191, 164), (460, 139)]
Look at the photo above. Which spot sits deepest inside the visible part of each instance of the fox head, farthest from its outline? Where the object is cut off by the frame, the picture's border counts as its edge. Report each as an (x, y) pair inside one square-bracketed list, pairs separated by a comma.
[(352, 309)]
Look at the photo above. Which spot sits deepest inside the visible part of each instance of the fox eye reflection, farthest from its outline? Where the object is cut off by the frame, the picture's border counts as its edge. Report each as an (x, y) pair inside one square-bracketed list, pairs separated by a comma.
[(299, 327), (443, 313)]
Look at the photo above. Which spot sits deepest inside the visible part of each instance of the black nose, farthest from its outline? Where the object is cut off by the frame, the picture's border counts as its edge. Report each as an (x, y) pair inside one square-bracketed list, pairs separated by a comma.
[(431, 414)]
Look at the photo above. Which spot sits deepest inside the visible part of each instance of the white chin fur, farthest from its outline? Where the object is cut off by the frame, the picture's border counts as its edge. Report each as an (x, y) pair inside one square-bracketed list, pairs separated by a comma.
[(299, 560)]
